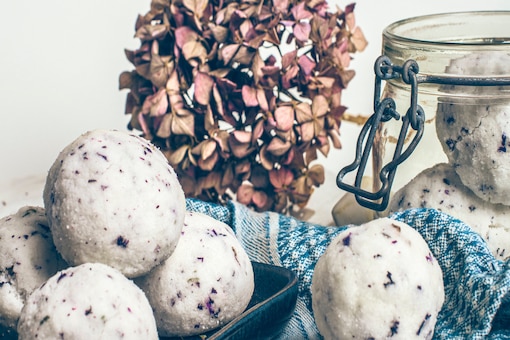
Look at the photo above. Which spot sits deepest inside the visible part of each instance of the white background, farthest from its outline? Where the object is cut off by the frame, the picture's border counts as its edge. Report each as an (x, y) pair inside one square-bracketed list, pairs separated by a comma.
[(60, 61)]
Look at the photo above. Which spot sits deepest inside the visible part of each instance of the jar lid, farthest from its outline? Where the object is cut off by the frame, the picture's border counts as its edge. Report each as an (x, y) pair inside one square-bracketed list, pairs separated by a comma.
[(471, 48)]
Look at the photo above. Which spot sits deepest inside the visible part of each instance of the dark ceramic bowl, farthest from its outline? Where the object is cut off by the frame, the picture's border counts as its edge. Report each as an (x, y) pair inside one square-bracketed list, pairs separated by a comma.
[(271, 306)]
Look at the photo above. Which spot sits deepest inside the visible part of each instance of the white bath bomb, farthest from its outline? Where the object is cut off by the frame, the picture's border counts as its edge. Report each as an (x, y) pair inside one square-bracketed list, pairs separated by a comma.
[(112, 197), (28, 258), (475, 132), (207, 282), (376, 281), (440, 188), (90, 301)]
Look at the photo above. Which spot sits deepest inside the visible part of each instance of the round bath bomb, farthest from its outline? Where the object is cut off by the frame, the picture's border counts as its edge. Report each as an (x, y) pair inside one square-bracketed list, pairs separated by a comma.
[(376, 281), (90, 301), (28, 259), (207, 281), (474, 132), (112, 197), (440, 188)]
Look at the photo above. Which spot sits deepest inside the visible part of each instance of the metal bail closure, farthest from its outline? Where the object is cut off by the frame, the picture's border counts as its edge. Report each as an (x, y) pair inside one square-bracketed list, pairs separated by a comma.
[(385, 110)]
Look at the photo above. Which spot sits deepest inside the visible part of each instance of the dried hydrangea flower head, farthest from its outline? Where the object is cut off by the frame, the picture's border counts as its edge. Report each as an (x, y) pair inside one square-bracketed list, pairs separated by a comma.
[(240, 95)]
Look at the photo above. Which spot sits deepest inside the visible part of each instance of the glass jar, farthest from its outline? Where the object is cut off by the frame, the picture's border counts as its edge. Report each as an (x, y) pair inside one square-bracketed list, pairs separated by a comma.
[(466, 45)]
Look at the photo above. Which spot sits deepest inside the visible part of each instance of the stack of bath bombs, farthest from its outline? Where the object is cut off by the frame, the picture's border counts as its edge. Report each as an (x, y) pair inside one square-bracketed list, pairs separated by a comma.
[(474, 130), (114, 253)]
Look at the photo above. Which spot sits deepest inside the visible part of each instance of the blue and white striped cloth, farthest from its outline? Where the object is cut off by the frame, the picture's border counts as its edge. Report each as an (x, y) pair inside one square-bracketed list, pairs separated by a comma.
[(476, 284)]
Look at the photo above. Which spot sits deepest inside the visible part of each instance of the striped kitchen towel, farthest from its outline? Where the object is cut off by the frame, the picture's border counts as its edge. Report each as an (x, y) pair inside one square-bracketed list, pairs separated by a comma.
[(477, 302)]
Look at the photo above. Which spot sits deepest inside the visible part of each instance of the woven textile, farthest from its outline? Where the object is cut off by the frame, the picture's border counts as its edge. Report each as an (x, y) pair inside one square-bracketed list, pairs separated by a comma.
[(477, 301)]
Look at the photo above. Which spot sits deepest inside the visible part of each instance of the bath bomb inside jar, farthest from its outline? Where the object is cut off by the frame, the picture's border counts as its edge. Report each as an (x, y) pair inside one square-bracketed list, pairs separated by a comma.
[(439, 187), (473, 126), (112, 197), (375, 281)]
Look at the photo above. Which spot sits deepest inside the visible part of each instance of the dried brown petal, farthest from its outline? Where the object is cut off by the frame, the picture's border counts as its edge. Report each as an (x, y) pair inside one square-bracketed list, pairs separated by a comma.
[(320, 106), (359, 40), (125, 81), (302, 191), (240, 143), (316, 174), (242, 168), (208, 164), (208, 149), (278, 147), (183, 123), (289, 58), (178, 155), (219, 32), (259, 177), (310, 156), (335, 138), (244, 55), (228, 177), (194, 52), (212, 180), (265, 158), (303, 112), (151, 32), (306, 131), (160, 67), (221, 137), (196, 6)]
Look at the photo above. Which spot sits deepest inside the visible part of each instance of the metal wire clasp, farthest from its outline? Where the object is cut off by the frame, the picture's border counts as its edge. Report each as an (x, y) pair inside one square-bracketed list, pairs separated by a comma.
[(385, 110)]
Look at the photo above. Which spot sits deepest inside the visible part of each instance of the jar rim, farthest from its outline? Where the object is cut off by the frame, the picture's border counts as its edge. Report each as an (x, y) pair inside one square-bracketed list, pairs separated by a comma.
[(423, 29)]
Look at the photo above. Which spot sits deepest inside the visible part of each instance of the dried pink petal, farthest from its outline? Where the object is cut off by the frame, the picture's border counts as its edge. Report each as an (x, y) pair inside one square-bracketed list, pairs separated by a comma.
[(203, 88), (281, 178)]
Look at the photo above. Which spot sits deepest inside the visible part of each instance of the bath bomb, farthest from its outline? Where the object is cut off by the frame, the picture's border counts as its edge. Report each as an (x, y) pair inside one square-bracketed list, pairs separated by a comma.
[(112, 197), (207, 282), (89, 301), (375, 281), (474, 128), (440, 188), (28, 259)]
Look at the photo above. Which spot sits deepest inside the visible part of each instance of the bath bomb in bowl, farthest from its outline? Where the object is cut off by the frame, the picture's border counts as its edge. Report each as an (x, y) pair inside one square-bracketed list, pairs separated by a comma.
[(112, 197), (377, 281), (207, 282), (89, 301)]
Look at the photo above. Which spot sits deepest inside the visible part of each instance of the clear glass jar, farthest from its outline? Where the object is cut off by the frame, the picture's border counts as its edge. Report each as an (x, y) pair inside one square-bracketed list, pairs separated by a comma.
[(439, 44)]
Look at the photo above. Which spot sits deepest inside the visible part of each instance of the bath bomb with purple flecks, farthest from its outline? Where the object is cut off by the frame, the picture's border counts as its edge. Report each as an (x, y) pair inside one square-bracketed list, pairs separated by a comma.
[(207, 282), (89, 301), (473, 126), (28, 259), (375, 281), (112, 197)]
